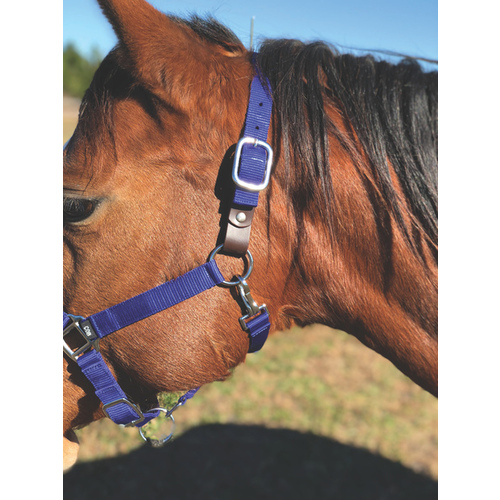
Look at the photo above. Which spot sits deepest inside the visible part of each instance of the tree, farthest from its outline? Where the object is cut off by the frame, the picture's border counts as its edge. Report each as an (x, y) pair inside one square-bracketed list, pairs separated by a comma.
[(77, 70)]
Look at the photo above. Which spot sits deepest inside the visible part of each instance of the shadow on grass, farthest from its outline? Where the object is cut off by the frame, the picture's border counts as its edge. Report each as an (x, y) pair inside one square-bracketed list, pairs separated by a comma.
[(235, 462)]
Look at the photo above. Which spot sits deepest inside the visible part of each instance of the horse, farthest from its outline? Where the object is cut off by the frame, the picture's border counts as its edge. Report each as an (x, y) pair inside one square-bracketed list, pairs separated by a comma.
[(346, 234)]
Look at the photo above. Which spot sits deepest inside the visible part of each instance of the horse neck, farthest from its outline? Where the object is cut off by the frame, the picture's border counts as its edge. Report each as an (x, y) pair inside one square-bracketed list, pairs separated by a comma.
[(360, 273)]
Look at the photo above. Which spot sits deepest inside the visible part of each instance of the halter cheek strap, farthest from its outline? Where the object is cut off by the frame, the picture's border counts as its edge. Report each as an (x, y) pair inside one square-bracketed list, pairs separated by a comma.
[(252, 167), (81, 336)]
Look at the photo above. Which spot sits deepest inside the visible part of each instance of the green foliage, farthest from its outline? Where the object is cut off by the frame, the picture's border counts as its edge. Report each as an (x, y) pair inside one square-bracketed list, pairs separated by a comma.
[(78, 70)]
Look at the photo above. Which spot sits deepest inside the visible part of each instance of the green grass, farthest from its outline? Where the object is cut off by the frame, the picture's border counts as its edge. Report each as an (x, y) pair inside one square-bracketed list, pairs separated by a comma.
[(342, 391)]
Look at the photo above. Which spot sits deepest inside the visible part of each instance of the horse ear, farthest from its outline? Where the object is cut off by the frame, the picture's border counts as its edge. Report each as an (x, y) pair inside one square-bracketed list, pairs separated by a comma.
[(157, 48)]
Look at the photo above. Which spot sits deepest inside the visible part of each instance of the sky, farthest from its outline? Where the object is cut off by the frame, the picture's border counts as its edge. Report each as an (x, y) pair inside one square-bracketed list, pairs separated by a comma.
[(404, 26)]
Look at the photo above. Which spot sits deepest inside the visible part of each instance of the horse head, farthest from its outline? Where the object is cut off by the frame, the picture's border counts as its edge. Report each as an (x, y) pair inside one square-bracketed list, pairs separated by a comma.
[(145, 180)]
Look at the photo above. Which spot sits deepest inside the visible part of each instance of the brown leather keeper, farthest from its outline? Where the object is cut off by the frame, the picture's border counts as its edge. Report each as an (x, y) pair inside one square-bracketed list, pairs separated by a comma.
[(238, 229)]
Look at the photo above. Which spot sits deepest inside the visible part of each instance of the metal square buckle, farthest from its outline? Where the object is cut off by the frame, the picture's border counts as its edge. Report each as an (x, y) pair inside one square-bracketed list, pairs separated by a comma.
[(82, 327), (135, 408), (249, 186)]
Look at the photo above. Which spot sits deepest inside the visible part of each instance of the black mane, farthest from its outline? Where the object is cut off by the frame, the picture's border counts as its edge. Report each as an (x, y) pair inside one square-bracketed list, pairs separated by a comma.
[(392, 109)]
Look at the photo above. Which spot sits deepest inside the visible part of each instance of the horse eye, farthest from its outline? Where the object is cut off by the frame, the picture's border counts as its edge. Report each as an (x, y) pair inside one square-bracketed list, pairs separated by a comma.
[(77, 209)]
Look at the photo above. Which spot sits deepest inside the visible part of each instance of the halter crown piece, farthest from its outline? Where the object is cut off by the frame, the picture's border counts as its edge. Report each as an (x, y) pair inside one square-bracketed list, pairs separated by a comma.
[(81, 336)]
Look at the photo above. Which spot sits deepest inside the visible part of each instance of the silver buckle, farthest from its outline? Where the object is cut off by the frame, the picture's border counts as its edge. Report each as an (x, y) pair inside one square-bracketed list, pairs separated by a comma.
[(86, 332), (249, 186), (131, 405)]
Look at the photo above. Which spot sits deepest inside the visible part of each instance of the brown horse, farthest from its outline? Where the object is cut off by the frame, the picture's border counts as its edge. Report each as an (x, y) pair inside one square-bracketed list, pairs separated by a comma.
[(346, 234)]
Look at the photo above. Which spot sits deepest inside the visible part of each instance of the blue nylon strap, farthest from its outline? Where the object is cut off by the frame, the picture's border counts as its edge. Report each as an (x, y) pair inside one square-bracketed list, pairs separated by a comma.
[(188, 395), (66, 320), (157, 299), (108, 390), (126, 313), (146, 304), (258, 330), (252, 169), (253, 159)]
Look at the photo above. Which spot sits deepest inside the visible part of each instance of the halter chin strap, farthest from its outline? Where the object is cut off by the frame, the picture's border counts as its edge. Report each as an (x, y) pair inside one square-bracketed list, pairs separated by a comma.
[(81, 336)]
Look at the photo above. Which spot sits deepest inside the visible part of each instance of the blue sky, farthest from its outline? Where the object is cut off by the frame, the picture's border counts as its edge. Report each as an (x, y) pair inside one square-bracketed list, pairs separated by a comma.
[(410, 27)]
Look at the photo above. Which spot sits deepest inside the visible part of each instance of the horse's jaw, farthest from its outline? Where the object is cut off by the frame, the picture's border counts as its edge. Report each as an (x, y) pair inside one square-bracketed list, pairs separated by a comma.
[(70, 450)]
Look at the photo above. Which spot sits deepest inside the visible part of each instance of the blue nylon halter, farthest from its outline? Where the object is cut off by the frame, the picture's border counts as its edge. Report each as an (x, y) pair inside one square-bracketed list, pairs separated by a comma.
[(251, 172)]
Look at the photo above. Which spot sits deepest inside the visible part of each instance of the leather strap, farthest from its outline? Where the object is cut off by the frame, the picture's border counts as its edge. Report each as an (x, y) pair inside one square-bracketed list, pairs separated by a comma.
[(238, 229)]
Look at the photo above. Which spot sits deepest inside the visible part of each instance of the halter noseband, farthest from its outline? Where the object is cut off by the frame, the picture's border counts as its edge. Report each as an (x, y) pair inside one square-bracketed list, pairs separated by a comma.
[(81, 336)]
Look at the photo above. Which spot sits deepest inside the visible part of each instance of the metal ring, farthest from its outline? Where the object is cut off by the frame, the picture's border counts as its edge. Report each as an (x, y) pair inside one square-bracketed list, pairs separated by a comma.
[(249, 257), (157, 443)]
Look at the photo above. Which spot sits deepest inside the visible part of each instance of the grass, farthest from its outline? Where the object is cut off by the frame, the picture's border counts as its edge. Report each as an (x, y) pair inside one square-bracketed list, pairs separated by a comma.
[(314, 387), (344, 392)]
